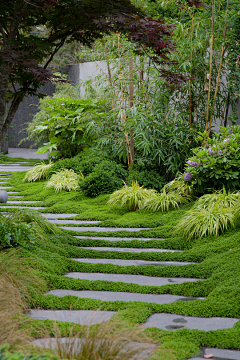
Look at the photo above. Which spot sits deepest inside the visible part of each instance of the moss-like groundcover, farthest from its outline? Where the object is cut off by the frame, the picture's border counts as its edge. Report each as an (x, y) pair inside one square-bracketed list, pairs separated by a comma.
[(218, 258)]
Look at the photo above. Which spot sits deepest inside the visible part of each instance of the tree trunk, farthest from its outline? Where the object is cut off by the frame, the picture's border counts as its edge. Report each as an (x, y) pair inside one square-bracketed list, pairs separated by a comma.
[(4, 72)]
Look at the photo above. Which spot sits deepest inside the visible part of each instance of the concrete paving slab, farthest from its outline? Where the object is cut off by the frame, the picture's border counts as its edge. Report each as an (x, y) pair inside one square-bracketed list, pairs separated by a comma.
[(82, 317), (99, 229), (134, 279), (121, 296), (15, 168), (72, 346), (5, 187), (15, 197), (132, 262), (26, 153), (175, 322), (23, 201), (133, 250), (3, 175), (113, 238), (218, 354), (76, 222), (10, 164), (23, 207), (54, 216)]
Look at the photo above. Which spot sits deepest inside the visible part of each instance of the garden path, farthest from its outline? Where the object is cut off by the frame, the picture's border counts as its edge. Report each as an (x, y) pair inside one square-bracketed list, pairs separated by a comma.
[(158, 320)]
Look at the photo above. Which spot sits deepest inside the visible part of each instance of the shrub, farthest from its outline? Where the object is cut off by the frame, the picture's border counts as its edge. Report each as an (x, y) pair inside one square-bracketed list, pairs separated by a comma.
[(69, 164), (217, 162), (131, 197), (13, 235), (109, 165), (100, 182), (164, 201), (6, 355), (38, 172), (87, 164), (148, 179), (64, 180)]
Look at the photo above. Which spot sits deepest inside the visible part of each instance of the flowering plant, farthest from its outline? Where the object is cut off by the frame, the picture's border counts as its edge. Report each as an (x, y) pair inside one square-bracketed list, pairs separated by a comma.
[(217, 162)]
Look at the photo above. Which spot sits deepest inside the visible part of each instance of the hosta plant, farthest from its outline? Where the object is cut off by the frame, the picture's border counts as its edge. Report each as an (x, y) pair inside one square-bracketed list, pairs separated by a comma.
[(64, 180), (131, 197), (38, 172), (164, 201)]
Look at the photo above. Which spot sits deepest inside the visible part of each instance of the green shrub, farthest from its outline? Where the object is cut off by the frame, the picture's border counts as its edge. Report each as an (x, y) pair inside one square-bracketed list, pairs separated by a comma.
[(131, 197), (109, 165), (100, 182), (148, 179), (69, 164), (38, 172), (217, 162), (6, 355), (87, 164), (13, 235), (64, 180)]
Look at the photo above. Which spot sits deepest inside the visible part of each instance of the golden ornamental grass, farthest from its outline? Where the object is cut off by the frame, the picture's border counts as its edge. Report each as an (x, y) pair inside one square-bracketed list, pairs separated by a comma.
[(64, 180), (38, 172)]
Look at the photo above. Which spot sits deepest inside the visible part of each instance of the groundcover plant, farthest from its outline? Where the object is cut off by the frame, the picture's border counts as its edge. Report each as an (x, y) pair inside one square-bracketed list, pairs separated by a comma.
[(214, 259)]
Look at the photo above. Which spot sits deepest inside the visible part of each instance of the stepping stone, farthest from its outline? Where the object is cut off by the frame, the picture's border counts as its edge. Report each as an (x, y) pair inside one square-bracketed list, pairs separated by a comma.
[(121, 296), (135, 250), (23, 201), (23, 207), (74, 222), (3, 182), (15, 197), (224, 354), (9, 164), (113, 238), (132, 262), (14, 168), (4, 175), (12, 192), (54, 216), (99, 229), (72, 346), (175, 322), (5, 187), (82, 317), (134, 279)]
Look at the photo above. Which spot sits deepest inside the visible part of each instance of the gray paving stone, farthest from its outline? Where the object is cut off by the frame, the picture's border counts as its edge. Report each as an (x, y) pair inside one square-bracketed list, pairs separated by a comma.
[(82, 317), (121, 296), (72, 346), (133, 250), (23, 207), (15, 168), (134, 279), (9, 164), (23, 201), (99, 229), (76, 222), (218, 354), (55, 216), (113, 238), (15, 197), (132, 262), (175, 322), (5, 187)]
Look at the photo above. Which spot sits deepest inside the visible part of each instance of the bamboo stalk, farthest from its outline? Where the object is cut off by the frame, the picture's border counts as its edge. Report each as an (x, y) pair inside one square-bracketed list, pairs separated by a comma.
[(190, 88), (131, 105)]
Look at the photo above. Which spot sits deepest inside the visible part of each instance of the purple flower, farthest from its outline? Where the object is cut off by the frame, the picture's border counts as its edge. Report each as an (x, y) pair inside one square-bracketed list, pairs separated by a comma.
[(211, 152), (226, 140), (193, 163), (187, 176)]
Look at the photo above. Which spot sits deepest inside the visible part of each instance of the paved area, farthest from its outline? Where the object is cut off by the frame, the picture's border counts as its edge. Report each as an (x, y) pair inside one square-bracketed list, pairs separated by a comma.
[(25, 153), (218, 354), (175, 322), (131, 262), (100, 229), (56, 216), (10, 168), (76, 222), (129, 279), (136, 250), (121, 296), (114, 238)]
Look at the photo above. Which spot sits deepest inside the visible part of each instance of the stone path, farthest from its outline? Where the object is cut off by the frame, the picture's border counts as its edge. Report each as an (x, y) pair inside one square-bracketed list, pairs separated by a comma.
[(160, 320)]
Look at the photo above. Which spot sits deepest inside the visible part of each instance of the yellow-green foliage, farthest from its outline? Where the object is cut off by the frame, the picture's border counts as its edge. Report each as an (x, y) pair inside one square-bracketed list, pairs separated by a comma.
[(212, 214), (179, 186), (38, 172), (131, 197), (164, 201), (64, 180)]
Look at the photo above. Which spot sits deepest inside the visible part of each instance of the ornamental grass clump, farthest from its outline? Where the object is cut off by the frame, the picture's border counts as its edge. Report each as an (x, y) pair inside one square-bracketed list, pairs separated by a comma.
[(131, 197), (38, 172), (65, 179)]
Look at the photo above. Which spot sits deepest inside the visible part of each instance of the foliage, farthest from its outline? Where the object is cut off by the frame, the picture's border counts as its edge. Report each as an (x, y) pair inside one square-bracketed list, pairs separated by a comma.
[(68, 164), (64, 180), (13, 235), (65, 124), (165, 201), (100, 182), (148, 179), (216, 163), (38, 172), (131, 197), (109, 165), (89, 162), (6, 355)]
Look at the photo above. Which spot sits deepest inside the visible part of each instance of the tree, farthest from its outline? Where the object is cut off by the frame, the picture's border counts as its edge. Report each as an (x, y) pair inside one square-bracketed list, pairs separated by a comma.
[(33, 31)]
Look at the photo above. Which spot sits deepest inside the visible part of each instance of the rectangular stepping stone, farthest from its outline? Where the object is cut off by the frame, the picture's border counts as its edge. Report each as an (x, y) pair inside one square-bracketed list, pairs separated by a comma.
[(72, 346), (15, 197), (76, 222), (134, 250), (82, 317), (54, 216), (15, 168), (5, 187), (113, 238), (175, 322), (121, 296), (23, 207), (99, 229), (132, 262), (224, 354), (23, 201), (130, 279)]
